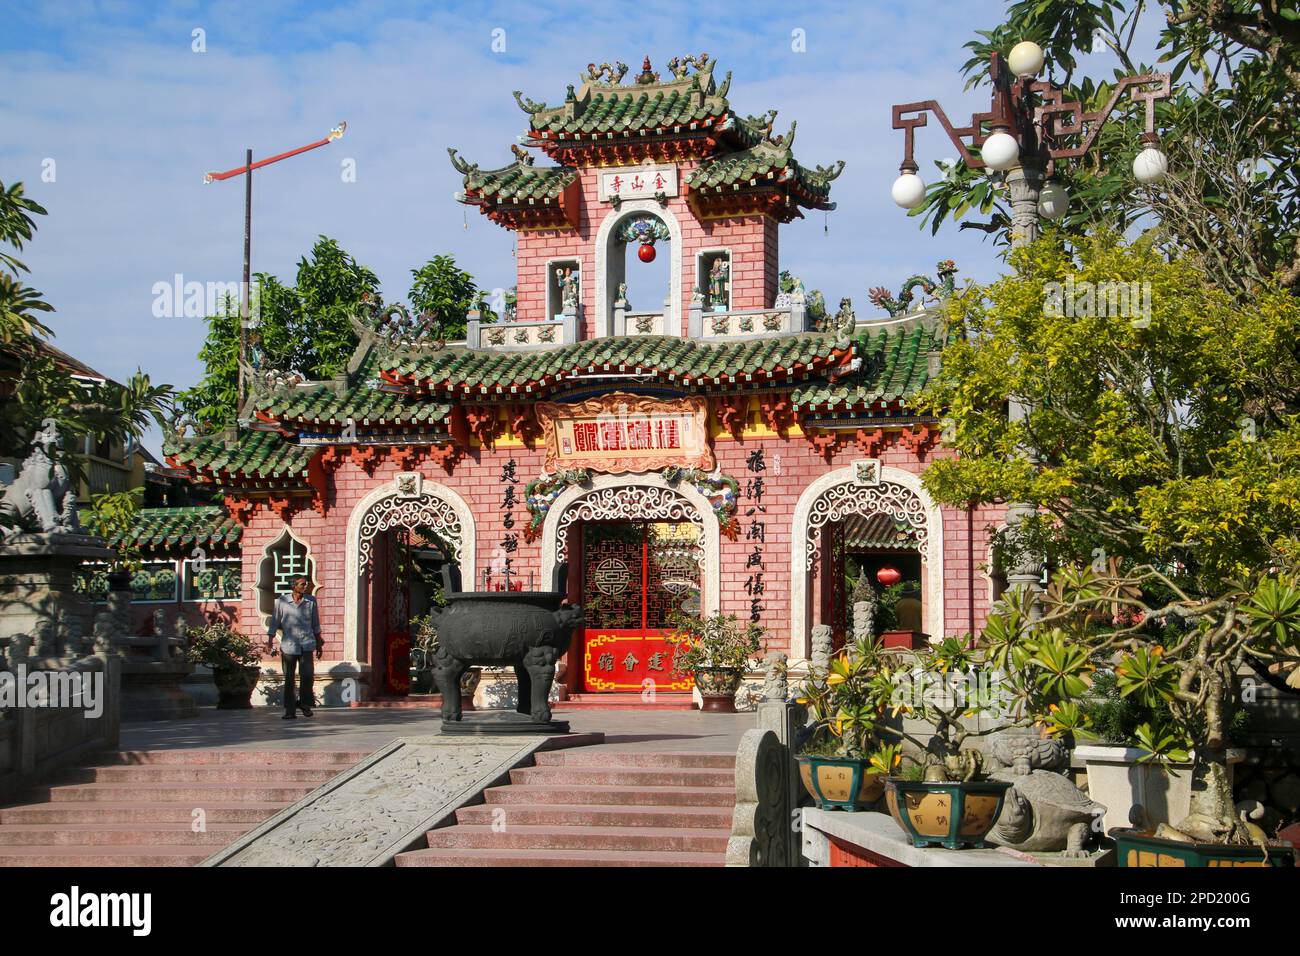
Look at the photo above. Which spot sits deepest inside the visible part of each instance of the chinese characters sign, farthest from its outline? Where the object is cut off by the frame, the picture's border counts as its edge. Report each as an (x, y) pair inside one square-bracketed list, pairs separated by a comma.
[(637, 182), (621, 433)]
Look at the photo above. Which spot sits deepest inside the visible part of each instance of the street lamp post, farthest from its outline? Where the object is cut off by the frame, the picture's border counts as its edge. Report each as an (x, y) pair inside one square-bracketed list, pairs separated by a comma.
[(1029, 127), (247, 170)]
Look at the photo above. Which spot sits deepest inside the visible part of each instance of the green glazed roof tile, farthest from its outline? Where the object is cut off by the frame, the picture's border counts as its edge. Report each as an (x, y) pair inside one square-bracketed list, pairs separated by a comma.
[(168, 530), (451, 369)]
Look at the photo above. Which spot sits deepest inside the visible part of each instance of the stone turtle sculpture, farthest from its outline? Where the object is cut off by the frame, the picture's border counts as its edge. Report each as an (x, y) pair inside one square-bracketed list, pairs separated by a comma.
[(1043, 811)]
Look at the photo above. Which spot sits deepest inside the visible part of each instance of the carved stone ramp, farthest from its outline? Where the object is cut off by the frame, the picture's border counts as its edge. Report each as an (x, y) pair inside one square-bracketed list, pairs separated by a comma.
[(388, 802)]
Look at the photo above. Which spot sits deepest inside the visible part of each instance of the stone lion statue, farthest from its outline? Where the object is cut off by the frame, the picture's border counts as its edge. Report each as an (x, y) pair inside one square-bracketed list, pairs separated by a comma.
[(42, 496)]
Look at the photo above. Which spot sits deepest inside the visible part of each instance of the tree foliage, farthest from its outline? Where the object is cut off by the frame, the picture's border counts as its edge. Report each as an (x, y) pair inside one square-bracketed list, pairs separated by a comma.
[(442, 290), (307, 328), (18, 302), (1170, 437)]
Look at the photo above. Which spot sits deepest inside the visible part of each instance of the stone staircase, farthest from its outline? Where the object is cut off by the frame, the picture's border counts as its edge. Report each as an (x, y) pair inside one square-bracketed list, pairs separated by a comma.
[(595, 806), (137, 808)]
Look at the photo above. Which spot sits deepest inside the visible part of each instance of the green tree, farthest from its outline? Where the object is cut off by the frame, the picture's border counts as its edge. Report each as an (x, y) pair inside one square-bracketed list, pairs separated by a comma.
[(441, 289), (331, 285), (304, 329), (1169, 437), (18, 302), (40, 388), (211, 403)]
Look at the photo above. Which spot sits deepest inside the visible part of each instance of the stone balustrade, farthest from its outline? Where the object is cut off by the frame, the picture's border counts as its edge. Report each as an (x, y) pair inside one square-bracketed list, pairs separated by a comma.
[(523, 335)]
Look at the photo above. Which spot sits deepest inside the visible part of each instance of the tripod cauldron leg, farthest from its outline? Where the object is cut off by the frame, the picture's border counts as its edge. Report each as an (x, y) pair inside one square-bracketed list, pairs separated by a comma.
[(447, 671), (540, 665)]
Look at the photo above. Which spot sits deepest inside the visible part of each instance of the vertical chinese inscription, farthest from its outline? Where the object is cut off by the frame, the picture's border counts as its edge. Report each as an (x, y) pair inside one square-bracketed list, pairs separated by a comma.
[(755, 532)]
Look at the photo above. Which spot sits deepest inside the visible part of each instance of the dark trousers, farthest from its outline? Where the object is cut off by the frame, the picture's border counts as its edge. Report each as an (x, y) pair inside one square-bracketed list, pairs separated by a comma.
[(303, 663)]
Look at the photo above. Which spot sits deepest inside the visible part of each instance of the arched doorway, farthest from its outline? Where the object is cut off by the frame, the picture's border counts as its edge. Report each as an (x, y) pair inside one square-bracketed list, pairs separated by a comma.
[(654, 548), (612, 251), (825, 516), (387, 531)]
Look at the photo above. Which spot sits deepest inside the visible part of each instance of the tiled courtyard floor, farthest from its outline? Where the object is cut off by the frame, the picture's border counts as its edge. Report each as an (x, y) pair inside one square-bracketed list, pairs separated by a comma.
[(370, 729)]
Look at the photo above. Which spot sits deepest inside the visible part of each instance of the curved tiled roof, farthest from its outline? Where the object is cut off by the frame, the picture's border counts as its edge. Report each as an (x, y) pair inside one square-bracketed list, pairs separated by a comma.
[(895, 367), (246, 454), (687, 362), (158, 530)]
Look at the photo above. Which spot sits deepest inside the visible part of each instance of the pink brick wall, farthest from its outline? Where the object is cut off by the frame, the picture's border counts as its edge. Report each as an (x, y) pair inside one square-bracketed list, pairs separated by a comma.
[(791, 465)]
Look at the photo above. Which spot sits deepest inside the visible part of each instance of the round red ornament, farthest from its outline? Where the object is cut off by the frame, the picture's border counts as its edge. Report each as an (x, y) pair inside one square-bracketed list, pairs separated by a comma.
[(888, 576), (646, 253)]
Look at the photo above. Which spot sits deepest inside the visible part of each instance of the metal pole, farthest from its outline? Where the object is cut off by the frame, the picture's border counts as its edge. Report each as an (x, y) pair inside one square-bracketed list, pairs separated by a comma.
[(243, 291)]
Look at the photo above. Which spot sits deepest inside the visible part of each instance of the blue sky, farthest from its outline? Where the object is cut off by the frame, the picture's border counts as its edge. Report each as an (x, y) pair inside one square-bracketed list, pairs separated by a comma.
[(131, 117)]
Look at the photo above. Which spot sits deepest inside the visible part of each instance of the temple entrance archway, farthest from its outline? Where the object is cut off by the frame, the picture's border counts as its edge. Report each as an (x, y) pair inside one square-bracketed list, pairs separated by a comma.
[(867, 489), (387, 532), (658, 543)]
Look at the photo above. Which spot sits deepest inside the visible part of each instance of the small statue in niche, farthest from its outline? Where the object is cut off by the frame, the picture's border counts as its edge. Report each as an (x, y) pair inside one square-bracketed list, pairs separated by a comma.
[(719, 282), (567, 279), (622, 293)]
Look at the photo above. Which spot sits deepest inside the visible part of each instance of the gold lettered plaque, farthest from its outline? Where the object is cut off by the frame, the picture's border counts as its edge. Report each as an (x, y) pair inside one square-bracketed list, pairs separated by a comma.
[(619, 433)]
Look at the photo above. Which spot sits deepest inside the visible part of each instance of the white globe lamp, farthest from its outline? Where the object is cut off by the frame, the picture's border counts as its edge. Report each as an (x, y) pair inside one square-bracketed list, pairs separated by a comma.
[(1150, 166), (1025, 58), (1000, 152), (908, 190), (1053, 201)]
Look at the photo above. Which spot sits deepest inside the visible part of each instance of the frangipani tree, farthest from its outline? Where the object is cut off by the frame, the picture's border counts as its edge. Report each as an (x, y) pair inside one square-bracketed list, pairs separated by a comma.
[(1166, 646)]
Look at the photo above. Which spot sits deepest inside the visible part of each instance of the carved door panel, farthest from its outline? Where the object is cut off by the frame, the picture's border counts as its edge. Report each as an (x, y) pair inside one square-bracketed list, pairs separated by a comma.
[(636, 575), (397, 645)]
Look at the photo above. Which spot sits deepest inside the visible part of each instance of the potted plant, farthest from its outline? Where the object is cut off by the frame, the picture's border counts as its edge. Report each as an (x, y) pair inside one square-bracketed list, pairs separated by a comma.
[(112, 516), (1122, 776), (716, 650), (1174, 652), (232, 658), (949, 801), (843, 763)]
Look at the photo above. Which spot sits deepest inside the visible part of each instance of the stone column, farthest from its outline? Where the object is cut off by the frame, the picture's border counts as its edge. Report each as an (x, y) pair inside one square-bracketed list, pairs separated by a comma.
[(1024, 183)]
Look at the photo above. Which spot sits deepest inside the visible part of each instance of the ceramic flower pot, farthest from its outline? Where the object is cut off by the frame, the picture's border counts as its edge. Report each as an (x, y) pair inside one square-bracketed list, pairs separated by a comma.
[(841, 783), (235, 686), (1136, 848), (717, 687), (946, 813)]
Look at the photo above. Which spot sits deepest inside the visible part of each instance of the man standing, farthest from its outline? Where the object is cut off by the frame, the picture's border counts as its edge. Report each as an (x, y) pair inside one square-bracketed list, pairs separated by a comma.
[(296, 618)]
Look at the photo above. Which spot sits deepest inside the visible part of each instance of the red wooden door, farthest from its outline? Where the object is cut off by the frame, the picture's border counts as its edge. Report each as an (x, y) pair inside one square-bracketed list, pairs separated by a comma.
[(635, 576)]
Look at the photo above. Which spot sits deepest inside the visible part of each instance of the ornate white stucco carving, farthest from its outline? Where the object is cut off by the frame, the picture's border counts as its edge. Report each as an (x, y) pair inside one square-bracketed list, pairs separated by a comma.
[(628, 503), (840, 501), (397, 512)]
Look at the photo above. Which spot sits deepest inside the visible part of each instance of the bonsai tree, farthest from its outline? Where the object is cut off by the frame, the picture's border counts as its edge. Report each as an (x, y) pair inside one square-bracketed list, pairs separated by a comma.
[(848, 704), (1180, 655)]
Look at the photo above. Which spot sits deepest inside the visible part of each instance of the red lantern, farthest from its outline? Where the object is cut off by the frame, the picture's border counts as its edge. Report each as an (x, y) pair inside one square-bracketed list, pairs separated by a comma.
[(888, 576), (646, 253)]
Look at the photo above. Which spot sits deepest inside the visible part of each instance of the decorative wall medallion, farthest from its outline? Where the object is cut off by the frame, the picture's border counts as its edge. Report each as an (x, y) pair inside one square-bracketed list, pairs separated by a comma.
[(619, 433), (408, 484), (867, 471), (611, 577)]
